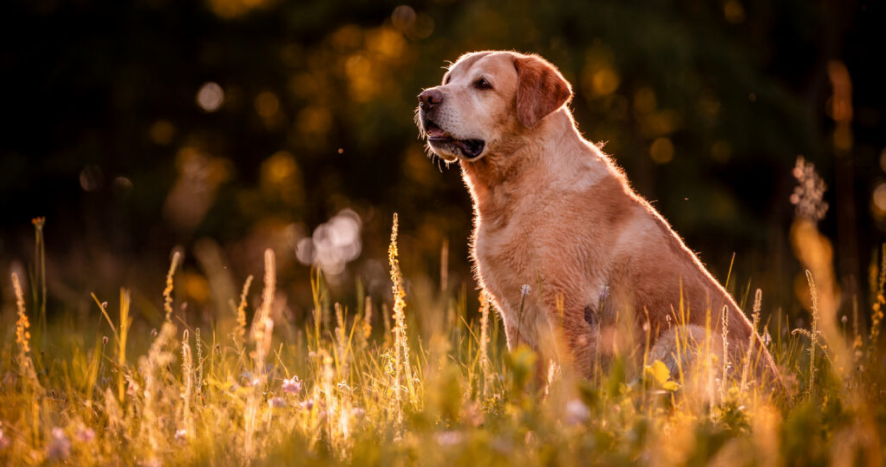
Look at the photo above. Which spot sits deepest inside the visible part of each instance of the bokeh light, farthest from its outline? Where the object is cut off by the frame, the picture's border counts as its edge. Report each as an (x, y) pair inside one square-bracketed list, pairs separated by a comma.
[(210, 97), (333, 244), (267, 104), (662, 150)]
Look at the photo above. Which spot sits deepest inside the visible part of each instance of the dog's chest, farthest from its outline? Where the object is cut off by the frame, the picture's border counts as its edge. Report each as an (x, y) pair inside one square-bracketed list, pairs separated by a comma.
[(505, 261)]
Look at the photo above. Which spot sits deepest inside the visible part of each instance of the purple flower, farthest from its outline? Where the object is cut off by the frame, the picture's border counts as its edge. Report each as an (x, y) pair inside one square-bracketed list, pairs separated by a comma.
[(292, 385), (308, 404)]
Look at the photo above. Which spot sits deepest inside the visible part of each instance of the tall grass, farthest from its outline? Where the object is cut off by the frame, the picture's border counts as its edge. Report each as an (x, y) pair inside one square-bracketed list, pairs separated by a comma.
[(342, 393)]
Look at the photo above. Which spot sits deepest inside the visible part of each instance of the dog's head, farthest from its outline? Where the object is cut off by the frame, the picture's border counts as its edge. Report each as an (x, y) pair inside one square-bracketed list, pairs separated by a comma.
[(489, 102)]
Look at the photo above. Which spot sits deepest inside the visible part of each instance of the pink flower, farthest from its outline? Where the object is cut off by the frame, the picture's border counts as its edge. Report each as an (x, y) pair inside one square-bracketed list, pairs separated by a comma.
[(59, 444), (308, 404), (292, 385)]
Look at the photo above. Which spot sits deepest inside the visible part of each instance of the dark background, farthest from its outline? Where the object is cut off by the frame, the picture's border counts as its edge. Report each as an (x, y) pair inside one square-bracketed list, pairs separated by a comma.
[(103, 135)]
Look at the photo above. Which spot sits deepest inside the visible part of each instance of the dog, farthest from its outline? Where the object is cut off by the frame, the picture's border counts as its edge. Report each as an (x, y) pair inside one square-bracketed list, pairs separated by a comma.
[(560, 240)]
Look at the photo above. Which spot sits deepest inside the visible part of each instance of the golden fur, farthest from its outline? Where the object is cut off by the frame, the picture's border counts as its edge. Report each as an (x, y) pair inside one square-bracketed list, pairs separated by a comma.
[(552, 211)]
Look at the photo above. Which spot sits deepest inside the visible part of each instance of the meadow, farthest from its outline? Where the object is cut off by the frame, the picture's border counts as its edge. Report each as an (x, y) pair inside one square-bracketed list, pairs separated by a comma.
[(420, 382), (219, 279)]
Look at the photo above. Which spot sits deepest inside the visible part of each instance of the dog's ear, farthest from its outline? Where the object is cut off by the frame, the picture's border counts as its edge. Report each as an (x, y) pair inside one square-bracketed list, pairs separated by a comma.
[(541, 89)]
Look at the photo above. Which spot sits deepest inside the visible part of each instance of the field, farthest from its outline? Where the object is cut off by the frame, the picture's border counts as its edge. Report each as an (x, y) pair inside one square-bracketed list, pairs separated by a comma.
[(366, 383), (222, 241)]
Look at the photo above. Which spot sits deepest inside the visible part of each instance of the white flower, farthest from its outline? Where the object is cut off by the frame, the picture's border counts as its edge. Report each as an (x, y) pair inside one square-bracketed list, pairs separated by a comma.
[(181, 435), (524, 291)]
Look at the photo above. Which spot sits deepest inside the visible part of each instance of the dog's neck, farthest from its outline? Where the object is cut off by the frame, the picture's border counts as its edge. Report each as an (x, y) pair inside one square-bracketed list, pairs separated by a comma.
[(560, 161)]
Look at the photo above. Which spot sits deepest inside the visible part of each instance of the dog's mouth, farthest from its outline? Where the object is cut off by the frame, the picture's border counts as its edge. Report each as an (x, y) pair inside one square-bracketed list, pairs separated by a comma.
[(439, 139)]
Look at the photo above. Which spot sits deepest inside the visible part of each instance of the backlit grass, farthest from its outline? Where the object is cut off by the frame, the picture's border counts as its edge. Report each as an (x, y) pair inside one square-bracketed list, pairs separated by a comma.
[(345, 388)]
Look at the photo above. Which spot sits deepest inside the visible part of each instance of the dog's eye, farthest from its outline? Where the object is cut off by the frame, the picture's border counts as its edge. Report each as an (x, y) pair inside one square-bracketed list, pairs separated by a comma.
[(447, 79), (482, 84)]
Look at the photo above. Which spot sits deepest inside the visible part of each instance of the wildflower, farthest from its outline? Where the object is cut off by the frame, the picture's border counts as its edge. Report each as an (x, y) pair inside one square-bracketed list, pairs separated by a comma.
[(524, 291), (85, 434), (181, 435), (59, 445), (292, 385), (577, 412), (276, 402), (308, 404), (104, 340), (4, 441), (358, 412)]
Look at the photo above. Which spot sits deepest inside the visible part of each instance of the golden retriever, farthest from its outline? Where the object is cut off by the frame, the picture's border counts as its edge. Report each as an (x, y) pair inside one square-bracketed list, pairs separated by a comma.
[(561, 241)]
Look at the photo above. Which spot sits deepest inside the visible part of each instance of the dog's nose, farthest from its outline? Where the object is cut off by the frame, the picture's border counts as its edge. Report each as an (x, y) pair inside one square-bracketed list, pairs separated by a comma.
[(430, 98)]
